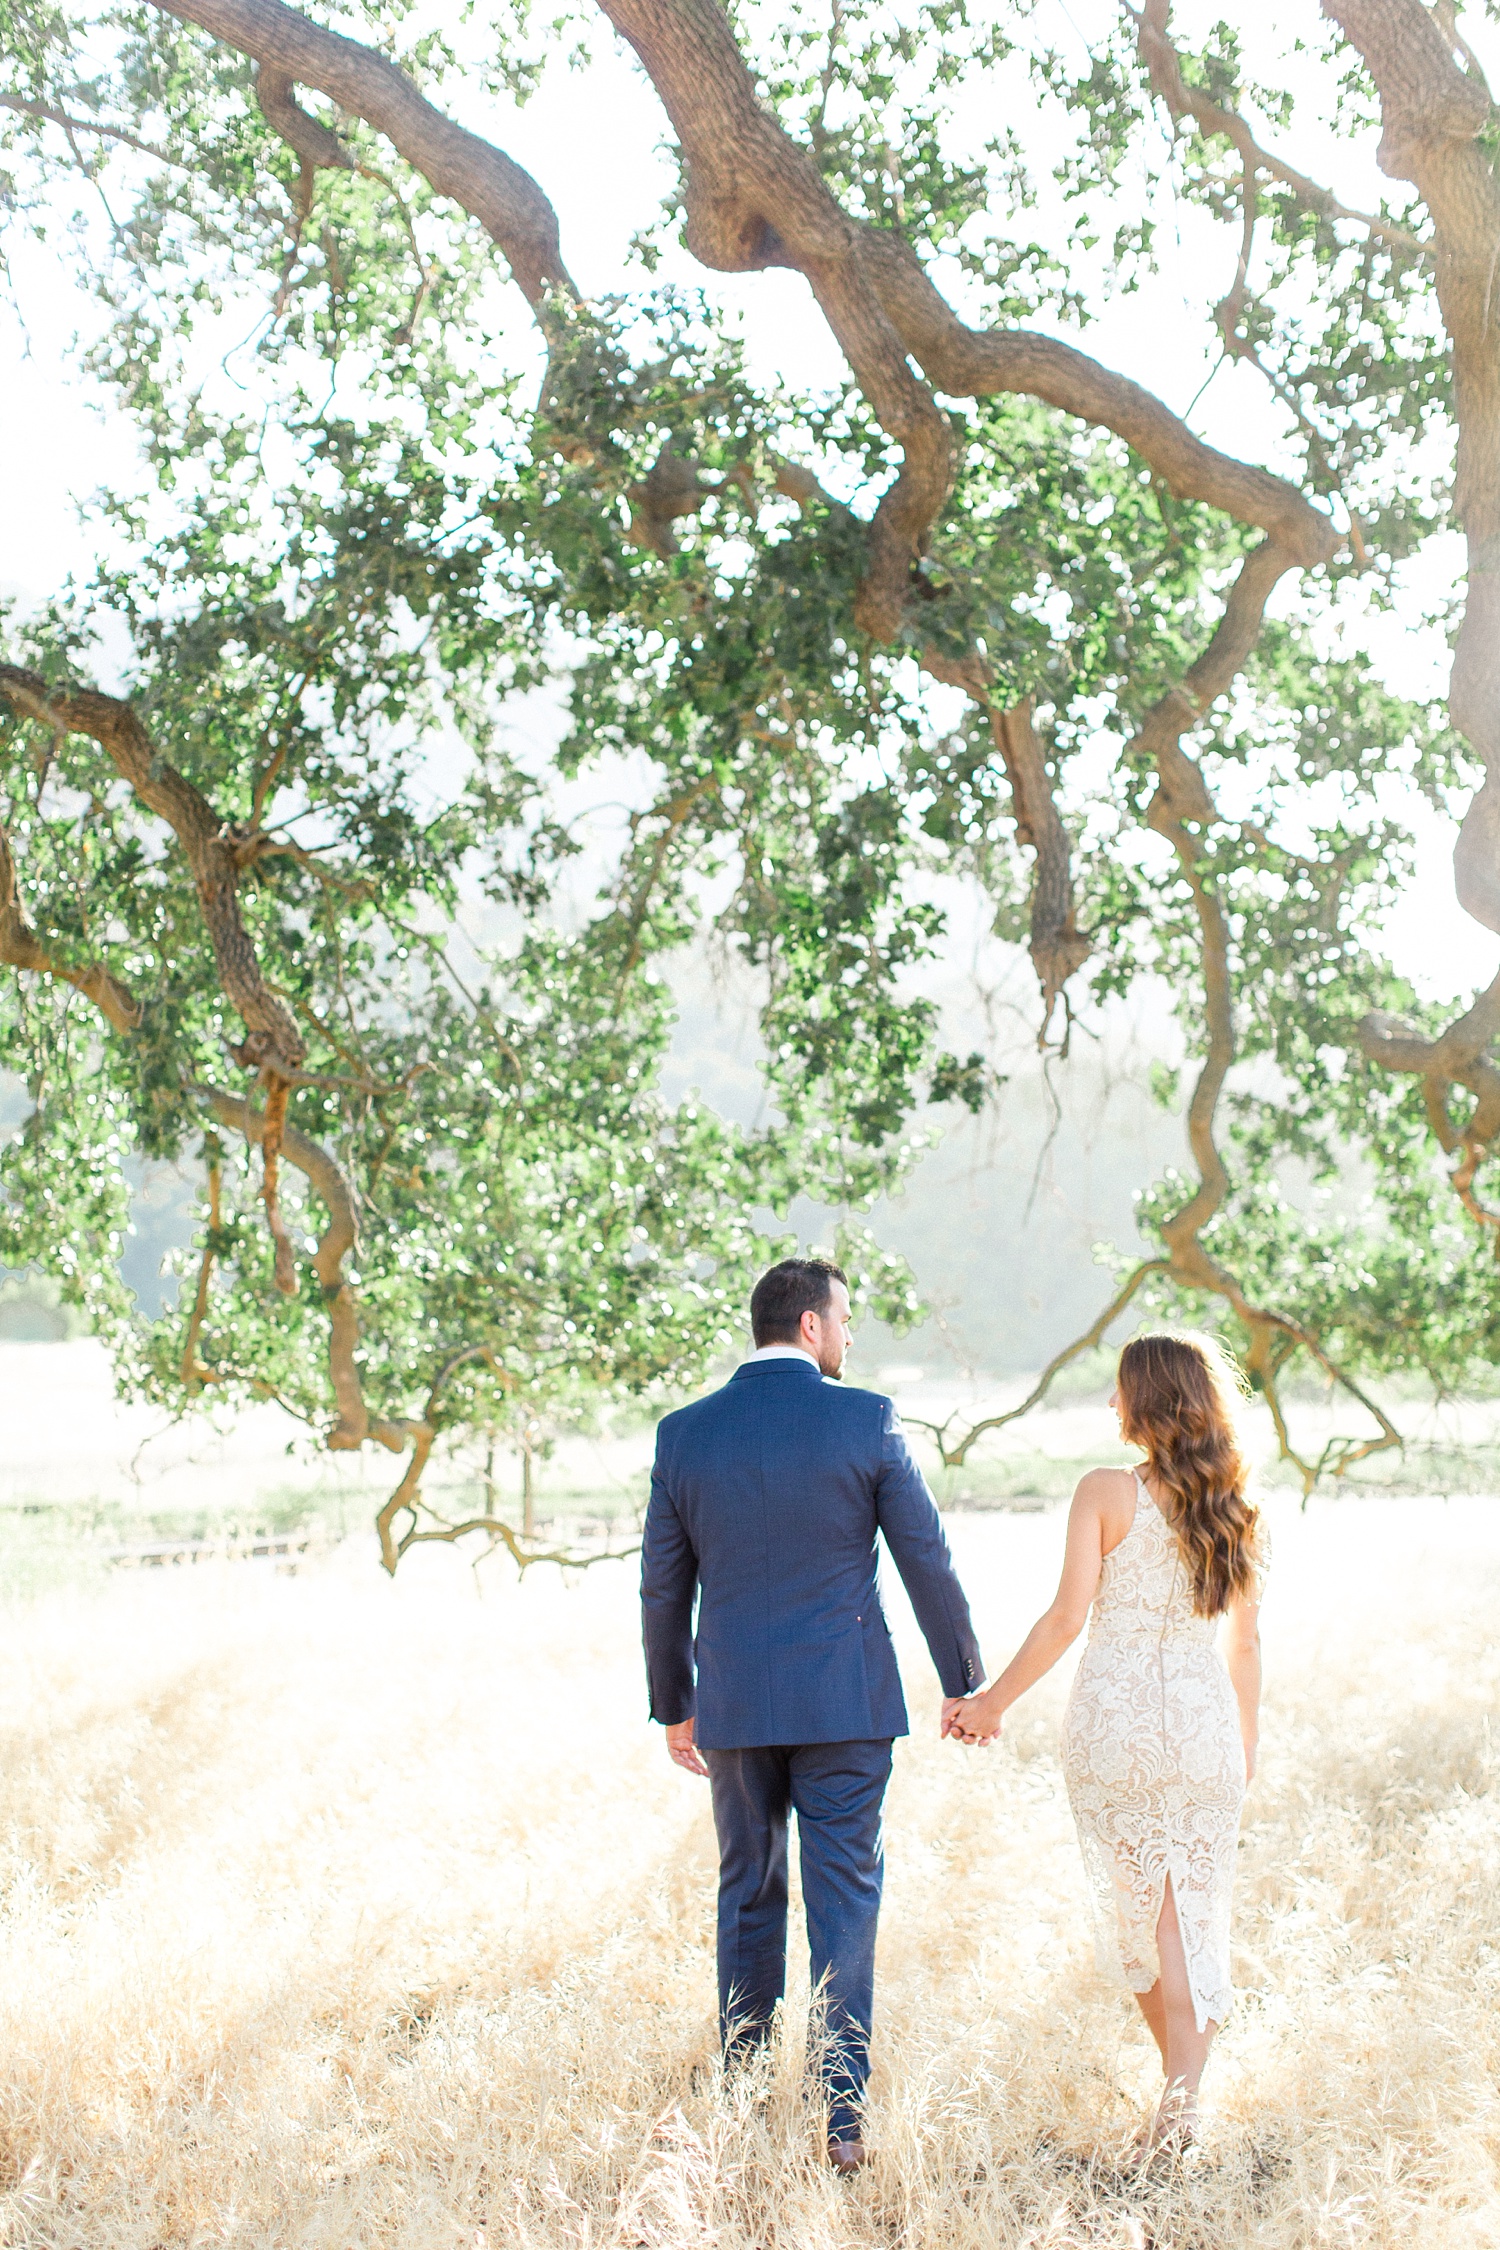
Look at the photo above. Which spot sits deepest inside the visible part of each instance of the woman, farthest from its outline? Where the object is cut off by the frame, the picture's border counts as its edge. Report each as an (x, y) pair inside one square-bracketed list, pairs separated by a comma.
[(1160, 1734)]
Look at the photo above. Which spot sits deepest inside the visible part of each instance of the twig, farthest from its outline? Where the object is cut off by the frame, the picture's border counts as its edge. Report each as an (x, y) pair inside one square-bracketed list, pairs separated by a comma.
[(1165, 68), (194, 1373), (51, 116), (953, 1457)]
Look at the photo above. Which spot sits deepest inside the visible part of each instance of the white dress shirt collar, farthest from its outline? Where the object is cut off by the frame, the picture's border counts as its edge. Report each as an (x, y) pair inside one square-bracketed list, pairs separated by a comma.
[(784, 1351)]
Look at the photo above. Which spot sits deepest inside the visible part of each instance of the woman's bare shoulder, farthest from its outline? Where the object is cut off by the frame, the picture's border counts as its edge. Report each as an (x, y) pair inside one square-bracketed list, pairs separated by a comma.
[(1106, 1488)]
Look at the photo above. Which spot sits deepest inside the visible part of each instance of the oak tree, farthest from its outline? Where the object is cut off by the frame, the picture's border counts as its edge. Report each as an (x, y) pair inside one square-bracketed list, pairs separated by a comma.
[(982, 605)]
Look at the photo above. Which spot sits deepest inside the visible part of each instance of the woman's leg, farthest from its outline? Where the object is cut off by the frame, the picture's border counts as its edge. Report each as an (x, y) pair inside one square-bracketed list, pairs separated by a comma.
[(1151, 2006), (1185, 2047), (1153, 2009)]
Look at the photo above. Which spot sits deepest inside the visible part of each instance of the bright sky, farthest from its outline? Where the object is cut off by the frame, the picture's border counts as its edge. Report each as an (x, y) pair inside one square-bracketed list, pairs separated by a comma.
[(593, 138)]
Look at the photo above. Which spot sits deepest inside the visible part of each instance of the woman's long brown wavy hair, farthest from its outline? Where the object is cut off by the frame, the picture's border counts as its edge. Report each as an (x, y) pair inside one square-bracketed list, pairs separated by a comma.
[(1177, 1400)]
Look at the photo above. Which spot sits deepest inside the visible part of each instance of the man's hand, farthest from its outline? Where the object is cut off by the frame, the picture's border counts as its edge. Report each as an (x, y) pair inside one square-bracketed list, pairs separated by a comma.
[(952, 1705), (683, 1751), (969, 1719)]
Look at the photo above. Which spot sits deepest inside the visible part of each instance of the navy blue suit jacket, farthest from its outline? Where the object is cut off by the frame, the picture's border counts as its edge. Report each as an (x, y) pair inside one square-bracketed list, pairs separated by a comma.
[(766, 1498)]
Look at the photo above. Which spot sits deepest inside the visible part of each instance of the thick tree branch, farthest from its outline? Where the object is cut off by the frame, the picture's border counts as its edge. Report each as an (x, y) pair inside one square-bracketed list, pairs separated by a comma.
[(273, 1045), (967, 362), (479, 177), (1058, 946), (334, 1191), (320, 149), (274, 1042), (755, 199), (1434, 108), (316, 148), (1433, 112), (1459, 1056), (1182, 803)]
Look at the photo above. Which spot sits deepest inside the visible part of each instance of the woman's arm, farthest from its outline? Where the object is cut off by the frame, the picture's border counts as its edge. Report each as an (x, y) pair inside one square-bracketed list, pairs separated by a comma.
[(1242, 1656), (978, 1718)]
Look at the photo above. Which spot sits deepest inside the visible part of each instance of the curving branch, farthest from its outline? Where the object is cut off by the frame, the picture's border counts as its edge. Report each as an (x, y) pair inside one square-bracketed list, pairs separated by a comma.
[(273, 1045), (1437, 125), (214, 852), (328, 1181), (479, 177), (21, 948), (1459, 1056), (316, 148), (407, 1497), (1433, 112), (1180, 811), (954, 1455), (973, 363), (754, 198), (1164, 68), (1185, 101)]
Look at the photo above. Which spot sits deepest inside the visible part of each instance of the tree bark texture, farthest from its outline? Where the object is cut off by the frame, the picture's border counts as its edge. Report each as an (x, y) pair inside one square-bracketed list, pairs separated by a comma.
[(1433, 111), (506, 200)]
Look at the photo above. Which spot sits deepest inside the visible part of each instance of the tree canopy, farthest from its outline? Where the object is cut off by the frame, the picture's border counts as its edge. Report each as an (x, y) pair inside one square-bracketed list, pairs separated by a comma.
[(982, 605)]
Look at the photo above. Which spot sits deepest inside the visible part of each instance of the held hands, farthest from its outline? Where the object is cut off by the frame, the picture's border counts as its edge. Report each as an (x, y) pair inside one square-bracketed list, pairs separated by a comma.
[(971, 1719), (683, 1751)]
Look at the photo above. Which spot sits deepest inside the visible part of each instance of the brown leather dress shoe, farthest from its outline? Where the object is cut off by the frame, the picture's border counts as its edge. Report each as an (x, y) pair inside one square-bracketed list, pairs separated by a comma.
[(847, 2157)]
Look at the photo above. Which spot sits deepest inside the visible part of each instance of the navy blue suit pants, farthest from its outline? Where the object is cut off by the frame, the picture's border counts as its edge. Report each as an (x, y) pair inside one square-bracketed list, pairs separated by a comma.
[(836, 1790)]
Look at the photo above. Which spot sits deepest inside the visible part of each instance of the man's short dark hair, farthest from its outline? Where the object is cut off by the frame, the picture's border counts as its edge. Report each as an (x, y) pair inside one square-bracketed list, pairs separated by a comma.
[(782, 1296)]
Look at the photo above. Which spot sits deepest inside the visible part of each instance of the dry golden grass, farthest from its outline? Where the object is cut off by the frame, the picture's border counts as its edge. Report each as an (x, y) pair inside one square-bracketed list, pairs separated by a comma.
[(339, 1913)]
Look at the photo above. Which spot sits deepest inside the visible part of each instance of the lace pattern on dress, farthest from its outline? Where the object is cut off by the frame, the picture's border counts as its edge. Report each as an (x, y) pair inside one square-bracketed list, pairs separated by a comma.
[(1155, 1767)]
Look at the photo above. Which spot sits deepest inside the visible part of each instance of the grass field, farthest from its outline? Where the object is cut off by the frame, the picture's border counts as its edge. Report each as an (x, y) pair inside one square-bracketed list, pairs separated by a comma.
[(341, 1913)]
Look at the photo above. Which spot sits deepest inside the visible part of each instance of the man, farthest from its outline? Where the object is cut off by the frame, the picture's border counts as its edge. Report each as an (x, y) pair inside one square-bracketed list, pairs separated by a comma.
[(766, 1498)]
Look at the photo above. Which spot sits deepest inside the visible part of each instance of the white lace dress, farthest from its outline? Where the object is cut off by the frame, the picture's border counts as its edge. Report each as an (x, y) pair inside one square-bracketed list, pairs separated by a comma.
[(1155, 1766)]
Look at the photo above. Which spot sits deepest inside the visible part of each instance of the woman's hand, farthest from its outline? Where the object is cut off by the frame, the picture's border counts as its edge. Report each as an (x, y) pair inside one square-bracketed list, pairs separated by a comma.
[(974, 1719)]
